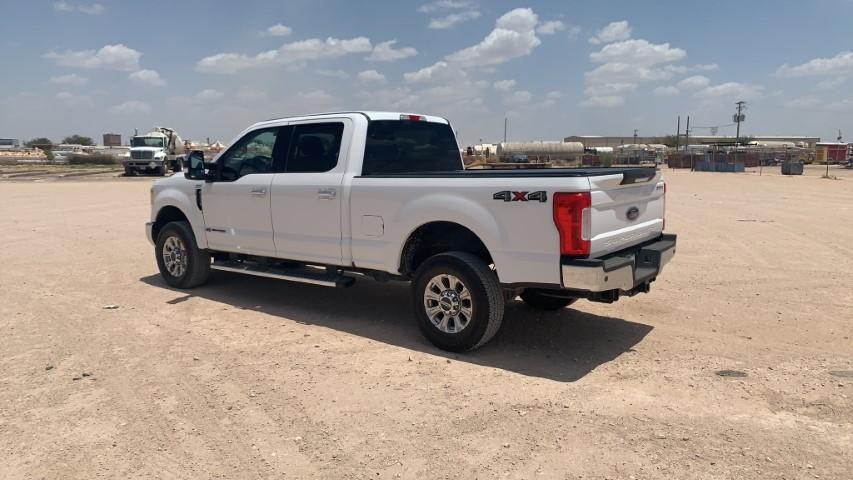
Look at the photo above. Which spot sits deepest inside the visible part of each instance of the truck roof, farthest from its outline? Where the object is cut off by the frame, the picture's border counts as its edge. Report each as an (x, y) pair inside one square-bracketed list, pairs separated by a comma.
[(371, 115)]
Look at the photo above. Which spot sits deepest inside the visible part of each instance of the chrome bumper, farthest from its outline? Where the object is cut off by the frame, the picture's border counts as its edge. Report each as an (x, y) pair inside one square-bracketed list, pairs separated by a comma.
[(149, 232), (623, 271)]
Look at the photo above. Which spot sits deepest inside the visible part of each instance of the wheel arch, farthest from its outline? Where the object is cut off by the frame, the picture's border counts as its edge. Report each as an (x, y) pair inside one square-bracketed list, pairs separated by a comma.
[(437, 237), (166, 214)]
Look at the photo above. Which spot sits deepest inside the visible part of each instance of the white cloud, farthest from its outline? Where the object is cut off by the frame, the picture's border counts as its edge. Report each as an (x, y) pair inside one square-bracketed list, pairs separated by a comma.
[(840, 64), (316, 96), (370, 76), (518, 98), (333, 73), (613, 32), (666, 91), (514, 36), (831, 83), (609, 101), (437, 72), (550, 27), (638, 52), (131, 107), (75, 101), (439, 5), (574, 31), (209, 94), (70, 79), (694, 82), (733, 90), (148, 78), (385, 52), (277, 30), (114, 57), (464, 11), (250, 94), (303, 50), (400, 98), (504, 85), (625, 73), (552, 98), (88, 9), (452, 19), (805, 103), (609, 89)]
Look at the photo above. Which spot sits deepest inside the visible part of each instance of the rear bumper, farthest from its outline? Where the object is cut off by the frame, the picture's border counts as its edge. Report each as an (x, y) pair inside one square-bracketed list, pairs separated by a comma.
[(627, 271), (149, 232)]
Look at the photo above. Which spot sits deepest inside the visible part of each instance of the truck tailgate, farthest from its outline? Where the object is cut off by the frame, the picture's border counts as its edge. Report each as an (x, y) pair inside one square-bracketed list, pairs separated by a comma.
[(626, 211)]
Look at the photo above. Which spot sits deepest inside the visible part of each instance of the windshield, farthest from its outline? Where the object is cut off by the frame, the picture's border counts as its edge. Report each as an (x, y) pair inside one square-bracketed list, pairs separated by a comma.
[(155, 142), (395, 146)]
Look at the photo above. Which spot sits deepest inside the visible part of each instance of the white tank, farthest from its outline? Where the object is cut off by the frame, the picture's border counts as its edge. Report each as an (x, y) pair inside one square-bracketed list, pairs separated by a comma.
[(554, 149)]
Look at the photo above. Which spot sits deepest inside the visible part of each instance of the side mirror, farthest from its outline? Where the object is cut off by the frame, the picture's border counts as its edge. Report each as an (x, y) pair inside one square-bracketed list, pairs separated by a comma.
[(195, 161)]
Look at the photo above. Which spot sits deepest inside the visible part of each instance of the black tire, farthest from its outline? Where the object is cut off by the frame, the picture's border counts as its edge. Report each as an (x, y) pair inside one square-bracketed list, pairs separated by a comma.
[(542, 301), (128, 172), (161, 171), (197, 262), (486, 302), (178, 166)]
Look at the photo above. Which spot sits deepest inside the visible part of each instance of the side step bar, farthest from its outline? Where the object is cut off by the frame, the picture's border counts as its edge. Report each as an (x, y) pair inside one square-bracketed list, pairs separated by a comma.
[(314, 276)]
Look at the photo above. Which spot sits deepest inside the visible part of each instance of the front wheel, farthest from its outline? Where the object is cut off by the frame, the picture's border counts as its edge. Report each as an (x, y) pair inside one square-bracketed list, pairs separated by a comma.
[(458, 301), (541, 300), (182, 264)]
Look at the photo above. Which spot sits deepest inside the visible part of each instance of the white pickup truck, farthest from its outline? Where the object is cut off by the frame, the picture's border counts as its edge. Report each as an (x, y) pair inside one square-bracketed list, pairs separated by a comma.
[(328, 198)]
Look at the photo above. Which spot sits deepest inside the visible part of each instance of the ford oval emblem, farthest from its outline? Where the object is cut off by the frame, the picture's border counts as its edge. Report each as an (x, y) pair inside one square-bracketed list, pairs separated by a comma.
[(632, 213)]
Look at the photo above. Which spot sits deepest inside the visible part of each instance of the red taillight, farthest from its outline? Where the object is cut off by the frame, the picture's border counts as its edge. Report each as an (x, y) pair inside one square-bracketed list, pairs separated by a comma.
[(571, 211), (413, 118)]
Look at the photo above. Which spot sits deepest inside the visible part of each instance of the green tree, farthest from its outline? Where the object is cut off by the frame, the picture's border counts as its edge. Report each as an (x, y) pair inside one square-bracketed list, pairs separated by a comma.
[(38, 141), (78, 140)]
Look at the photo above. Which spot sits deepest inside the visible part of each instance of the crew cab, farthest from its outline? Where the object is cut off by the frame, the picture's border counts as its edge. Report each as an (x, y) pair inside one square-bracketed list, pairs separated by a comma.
[(329, 198)]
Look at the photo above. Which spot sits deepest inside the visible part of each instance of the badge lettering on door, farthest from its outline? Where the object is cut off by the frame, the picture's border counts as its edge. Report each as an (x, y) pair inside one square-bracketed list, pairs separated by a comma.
[(508, 196)]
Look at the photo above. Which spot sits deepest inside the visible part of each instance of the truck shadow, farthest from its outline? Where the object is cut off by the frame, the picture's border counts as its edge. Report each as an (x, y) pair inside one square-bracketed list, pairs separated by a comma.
[(563, 346)]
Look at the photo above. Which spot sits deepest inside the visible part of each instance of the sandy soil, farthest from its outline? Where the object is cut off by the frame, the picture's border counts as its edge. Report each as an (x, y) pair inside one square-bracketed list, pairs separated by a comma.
[(256, 378)]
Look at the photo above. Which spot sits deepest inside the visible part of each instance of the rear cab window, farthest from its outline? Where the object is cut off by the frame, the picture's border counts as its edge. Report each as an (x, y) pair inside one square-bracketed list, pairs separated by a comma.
[(400, 146)]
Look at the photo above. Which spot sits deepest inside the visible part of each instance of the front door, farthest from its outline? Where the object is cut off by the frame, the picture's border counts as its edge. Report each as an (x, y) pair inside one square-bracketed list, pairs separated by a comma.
[(236, 205), (307, 197)]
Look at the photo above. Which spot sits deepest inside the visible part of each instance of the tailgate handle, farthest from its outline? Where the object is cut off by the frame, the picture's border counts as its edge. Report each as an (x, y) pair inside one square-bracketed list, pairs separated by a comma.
[(637, 175)]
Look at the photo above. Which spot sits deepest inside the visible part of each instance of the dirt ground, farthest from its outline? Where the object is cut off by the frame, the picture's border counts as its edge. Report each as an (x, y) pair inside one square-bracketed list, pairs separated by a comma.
[(257, 378)]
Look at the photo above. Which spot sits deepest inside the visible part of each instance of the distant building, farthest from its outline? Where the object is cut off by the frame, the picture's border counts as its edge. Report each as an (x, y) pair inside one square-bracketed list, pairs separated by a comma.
[(9, 143), (593, 141), (112, 140)]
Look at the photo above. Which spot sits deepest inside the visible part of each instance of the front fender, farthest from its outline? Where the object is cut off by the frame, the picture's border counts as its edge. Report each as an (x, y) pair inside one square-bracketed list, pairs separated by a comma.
[(182, 198)]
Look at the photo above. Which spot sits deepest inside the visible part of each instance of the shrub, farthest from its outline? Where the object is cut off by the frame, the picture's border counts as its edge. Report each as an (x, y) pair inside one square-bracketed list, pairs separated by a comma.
[(94, 159)]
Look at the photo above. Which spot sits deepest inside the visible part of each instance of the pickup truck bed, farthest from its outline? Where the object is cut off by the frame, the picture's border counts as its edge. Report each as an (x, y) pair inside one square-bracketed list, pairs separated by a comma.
[(326, 198)]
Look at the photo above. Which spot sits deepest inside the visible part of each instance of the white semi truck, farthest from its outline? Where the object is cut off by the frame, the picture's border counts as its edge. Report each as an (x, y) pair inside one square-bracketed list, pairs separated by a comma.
[(157, 152)]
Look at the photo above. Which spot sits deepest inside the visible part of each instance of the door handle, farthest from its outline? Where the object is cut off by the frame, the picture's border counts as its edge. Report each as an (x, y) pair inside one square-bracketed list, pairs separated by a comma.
[(327, 193), (258, 192)]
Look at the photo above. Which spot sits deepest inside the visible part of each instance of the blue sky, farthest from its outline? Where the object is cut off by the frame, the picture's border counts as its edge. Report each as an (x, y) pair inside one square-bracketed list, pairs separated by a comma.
[(554, 68)]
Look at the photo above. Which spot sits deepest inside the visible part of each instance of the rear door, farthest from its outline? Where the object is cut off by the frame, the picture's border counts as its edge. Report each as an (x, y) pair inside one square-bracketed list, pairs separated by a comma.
[(307, 197), (627, 209)]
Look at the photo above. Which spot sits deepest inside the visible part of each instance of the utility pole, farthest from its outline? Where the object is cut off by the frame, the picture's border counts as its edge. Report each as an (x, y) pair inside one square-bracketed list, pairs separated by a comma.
[(687, 143), (739, 117), (635, 136), (505, 122), (678, 134)]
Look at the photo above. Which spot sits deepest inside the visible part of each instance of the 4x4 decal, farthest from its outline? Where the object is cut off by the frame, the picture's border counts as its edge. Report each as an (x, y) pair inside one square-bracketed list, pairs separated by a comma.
[(508, 196)]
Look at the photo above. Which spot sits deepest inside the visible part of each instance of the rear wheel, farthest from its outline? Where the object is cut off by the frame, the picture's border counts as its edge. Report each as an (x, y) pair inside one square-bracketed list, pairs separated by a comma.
[(128, 171), (182, 264), (458, 301), (542, 300)]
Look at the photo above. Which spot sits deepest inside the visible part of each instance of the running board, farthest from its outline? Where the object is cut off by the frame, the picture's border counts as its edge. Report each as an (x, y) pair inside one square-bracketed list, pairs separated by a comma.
[(310, 275)]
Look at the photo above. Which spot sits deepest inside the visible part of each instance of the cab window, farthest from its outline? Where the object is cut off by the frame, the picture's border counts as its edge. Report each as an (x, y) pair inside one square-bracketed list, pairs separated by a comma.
[(254, 153), (314, 147)]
